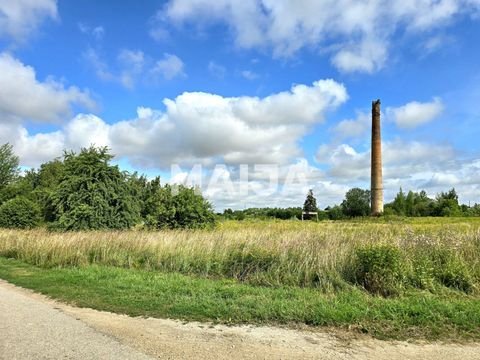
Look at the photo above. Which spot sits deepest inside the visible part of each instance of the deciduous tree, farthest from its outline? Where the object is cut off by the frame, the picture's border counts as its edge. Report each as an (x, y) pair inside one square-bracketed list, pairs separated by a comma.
[(8, 165), (356, 203)]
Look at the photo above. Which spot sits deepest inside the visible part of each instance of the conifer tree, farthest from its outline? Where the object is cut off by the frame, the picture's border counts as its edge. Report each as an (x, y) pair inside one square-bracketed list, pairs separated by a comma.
[(310, 204), (93, 194)]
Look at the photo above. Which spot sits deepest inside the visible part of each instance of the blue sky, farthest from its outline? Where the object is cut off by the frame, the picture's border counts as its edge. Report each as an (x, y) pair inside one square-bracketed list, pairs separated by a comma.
[(284, 83)]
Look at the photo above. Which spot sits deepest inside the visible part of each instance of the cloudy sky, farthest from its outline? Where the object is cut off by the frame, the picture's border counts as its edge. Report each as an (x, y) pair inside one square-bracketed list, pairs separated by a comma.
[(257, 99)]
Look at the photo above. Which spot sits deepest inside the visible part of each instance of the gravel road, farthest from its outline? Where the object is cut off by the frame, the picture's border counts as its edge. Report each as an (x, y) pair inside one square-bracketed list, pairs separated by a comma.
[(32, 329), (35, 327)]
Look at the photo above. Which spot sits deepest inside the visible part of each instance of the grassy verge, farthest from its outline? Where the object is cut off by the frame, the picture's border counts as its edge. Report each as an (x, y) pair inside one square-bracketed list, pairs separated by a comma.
[(448, 315)]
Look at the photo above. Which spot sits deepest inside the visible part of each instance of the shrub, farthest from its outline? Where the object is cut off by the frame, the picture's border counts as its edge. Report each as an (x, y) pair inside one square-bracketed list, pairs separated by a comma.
[(380, 269), (178, 208), (451, 271), (440, 266), (336, 213), (423, 268), (19, 213)]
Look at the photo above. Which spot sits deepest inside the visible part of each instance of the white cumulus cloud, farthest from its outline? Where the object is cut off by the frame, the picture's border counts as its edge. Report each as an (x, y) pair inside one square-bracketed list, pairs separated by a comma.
[(353, 128), (412, 165), (401, 159), (20, 18), (200, 128), (416, 113), (23, 96), (169, 67), (133, 67), (357, 34)]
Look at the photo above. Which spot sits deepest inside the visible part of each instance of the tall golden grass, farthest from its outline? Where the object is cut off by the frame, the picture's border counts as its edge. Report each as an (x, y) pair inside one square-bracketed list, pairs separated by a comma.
[(267, 253)]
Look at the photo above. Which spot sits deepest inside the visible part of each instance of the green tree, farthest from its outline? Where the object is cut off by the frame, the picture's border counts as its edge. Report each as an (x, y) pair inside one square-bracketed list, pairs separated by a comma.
[(447, 204), (50, 174), (398, 204), (21, 186), (228, 214), (8, 165), (474, 210), (356, 203), (45, 180), (192, 210), (177, 207), (335, 213), (92, 194), (310, 204), (410, 203), (424, 206)]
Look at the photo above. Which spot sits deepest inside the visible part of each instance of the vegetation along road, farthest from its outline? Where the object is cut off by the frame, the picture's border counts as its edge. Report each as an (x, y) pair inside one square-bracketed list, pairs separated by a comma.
[(34, 327), (357, 289)]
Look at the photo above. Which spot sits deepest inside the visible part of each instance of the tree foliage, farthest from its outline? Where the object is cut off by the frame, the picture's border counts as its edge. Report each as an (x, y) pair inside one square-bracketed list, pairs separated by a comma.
[(19, 213), (399, 204), (419, 204), (93, 194), (8, 165), (336, 213), (310, 204), (46, 180), (447, 204), (290, 213), (85, 191), (176, 207), (356, 203), (22, 186)]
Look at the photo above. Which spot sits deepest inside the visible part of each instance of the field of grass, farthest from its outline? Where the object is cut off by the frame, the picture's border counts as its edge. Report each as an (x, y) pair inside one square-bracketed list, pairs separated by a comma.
[(395, 278)]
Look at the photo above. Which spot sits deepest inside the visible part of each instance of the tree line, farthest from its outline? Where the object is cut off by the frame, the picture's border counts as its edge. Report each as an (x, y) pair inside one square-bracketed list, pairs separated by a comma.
[(357, 204), (84, 191)]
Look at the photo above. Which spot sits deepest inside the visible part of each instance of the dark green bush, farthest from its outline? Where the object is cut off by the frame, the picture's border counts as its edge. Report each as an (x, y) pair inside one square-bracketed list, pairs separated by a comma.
[(19, 213), (380, 269)]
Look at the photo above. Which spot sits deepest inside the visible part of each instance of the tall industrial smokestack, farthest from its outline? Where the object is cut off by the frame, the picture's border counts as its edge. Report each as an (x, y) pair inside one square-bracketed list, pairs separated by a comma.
[(376, 165)]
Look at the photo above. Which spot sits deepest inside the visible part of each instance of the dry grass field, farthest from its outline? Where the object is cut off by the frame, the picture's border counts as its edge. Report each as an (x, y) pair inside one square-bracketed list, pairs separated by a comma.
[(390, 277), (267, 253)]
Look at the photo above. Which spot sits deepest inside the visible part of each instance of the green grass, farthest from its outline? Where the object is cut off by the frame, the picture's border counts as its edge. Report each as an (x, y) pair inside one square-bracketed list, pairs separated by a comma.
[(446, 315), (305, 254), (389, 277)]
